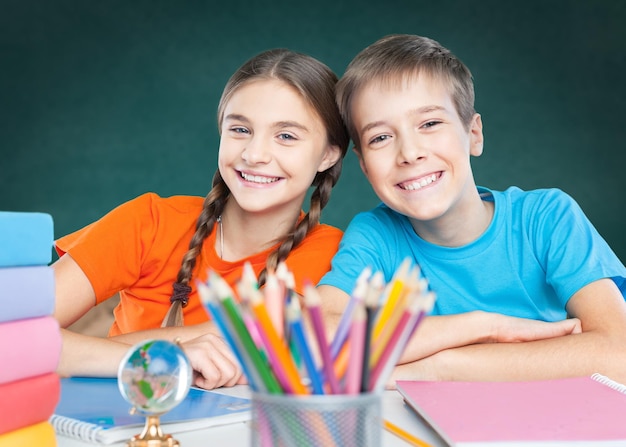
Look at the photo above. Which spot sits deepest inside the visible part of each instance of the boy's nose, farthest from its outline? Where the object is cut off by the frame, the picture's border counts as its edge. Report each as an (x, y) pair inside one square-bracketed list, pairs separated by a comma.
[(410, 151), (256, 152)]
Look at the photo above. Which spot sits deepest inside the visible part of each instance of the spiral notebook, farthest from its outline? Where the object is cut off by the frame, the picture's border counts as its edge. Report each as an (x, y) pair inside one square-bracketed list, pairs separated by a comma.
[(580, 411), (93, 410)]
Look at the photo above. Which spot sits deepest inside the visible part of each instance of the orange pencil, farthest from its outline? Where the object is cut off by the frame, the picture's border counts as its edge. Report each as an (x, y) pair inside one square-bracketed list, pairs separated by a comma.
[(282, 362)]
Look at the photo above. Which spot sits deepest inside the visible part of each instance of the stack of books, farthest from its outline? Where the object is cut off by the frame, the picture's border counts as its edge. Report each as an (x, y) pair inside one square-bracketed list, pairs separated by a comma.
[(30, 339)]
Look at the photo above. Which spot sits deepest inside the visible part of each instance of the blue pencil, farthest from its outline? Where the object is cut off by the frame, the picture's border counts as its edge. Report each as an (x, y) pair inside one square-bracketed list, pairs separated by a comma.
[(294, 318)]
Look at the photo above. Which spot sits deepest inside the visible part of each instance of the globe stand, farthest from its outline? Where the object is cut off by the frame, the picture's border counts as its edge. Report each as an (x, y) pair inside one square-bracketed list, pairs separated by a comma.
[(153, 377), (152, 435)]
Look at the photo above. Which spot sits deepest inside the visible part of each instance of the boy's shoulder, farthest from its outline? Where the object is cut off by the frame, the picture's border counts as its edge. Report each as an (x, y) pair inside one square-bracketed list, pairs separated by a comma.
[(516, 195)]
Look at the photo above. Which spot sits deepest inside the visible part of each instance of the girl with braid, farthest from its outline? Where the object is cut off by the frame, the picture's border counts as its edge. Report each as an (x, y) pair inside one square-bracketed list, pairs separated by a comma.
[(280, 135)]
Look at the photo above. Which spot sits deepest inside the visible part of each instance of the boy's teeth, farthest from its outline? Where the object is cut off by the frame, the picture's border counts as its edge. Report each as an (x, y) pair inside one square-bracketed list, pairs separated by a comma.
[(258, 178), (421, 183)]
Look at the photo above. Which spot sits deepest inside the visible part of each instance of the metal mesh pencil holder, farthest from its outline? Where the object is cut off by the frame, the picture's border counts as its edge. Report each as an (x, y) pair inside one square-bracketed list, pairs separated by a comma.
[(340, 420)]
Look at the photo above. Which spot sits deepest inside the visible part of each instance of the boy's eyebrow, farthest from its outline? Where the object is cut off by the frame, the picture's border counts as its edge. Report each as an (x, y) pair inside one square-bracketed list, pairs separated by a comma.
[(236, 117), (417, 111), (277, 124), (427, 109)]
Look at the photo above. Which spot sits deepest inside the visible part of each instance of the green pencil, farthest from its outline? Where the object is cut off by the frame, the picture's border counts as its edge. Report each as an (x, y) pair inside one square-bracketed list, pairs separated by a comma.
[(224, 294)]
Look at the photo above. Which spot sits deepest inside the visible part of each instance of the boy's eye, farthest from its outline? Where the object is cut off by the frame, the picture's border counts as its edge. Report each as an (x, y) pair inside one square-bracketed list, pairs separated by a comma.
[(430, 124), (379, 139)]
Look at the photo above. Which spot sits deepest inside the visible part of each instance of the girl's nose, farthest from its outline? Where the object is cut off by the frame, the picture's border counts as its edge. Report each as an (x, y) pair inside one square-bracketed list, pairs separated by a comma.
[(256, 151)]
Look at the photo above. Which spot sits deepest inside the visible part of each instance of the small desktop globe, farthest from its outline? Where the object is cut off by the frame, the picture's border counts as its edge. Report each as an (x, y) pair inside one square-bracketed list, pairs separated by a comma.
[(154, 376)]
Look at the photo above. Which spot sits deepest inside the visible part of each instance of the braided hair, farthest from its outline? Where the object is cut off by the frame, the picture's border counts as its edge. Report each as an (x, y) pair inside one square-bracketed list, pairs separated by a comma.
[(316, 83)]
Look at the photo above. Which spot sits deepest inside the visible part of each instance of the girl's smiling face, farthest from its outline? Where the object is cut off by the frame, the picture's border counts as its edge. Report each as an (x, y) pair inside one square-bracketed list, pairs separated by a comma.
[(272, 145)]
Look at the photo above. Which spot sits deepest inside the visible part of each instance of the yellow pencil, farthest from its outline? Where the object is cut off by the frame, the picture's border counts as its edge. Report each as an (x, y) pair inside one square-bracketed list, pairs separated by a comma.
[(404, 435), (395, 288)]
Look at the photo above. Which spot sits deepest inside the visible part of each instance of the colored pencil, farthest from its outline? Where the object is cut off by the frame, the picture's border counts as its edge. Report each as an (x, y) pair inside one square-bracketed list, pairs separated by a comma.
[(224, 293), (404, 435), (294, 317), (280, 358), (249, 278), (391, 301), (387, 350), (343, 328), (212, 305), (371, 309), (357, 341), (312, 301), (412, 287), (373, 293), (425, 305), (288, 283), (275, 302)]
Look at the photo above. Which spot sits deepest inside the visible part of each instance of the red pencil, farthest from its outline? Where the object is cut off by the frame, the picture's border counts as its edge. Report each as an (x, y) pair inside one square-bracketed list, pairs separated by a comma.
[(312, 301)]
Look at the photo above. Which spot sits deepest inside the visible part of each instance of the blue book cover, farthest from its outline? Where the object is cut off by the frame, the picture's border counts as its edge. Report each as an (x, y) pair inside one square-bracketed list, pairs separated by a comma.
[(93, 409), (26, 238)]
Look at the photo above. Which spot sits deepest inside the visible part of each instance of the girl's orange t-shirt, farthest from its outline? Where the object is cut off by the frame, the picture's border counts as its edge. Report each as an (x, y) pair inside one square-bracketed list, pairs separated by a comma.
[(137, 248)]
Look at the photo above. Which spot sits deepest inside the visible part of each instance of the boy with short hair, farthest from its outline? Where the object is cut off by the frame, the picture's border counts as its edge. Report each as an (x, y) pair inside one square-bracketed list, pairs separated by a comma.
[(408, 103)]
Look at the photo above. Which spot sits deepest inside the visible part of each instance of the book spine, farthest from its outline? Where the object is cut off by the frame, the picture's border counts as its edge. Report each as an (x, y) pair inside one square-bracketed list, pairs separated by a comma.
[(609, 382), (39, 435), (30, 347), (26, 238), (28, 401), (27, 292)]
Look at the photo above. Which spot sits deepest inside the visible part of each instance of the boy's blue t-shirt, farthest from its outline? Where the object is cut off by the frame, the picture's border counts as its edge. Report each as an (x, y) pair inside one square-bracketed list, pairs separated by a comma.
[(537, 252)]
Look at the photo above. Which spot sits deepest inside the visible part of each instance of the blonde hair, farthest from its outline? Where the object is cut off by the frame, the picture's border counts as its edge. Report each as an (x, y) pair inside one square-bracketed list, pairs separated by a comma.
[(316, 83), (396, 58)]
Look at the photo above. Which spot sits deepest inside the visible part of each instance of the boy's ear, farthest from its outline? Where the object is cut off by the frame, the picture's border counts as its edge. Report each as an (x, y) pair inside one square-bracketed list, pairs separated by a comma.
[(332, 155), (476, 135)]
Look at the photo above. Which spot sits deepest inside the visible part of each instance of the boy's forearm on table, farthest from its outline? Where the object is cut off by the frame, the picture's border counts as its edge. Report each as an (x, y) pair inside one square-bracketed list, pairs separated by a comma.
[(437, 333), (570, 355)]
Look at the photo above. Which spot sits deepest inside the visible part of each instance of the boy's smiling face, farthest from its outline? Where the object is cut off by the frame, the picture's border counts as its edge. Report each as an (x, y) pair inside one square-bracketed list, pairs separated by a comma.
[(415, 151)]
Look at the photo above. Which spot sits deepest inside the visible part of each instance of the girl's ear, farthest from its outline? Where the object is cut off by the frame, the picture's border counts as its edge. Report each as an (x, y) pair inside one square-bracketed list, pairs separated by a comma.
[(331, 156), (476, 136)]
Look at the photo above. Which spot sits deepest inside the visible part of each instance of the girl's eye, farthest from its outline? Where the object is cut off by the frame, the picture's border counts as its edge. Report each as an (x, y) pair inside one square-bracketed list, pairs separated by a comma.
[(286, 137), (238, 129)]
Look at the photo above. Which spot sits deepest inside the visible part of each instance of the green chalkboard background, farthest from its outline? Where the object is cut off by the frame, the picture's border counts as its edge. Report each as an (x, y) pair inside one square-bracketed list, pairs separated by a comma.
[(102, 100)]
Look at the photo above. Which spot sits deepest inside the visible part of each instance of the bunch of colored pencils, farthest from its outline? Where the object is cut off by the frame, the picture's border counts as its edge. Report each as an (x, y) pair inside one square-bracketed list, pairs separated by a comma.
[(265, 328)]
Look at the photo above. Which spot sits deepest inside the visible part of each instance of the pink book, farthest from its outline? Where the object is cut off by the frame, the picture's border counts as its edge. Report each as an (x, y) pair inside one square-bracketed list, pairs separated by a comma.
[(27, 292), (28, 348), (28, 401), (577, 411)]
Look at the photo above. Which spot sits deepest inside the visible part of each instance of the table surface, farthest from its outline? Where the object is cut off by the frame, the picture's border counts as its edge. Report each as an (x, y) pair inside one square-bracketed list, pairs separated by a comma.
[(393, 410)]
